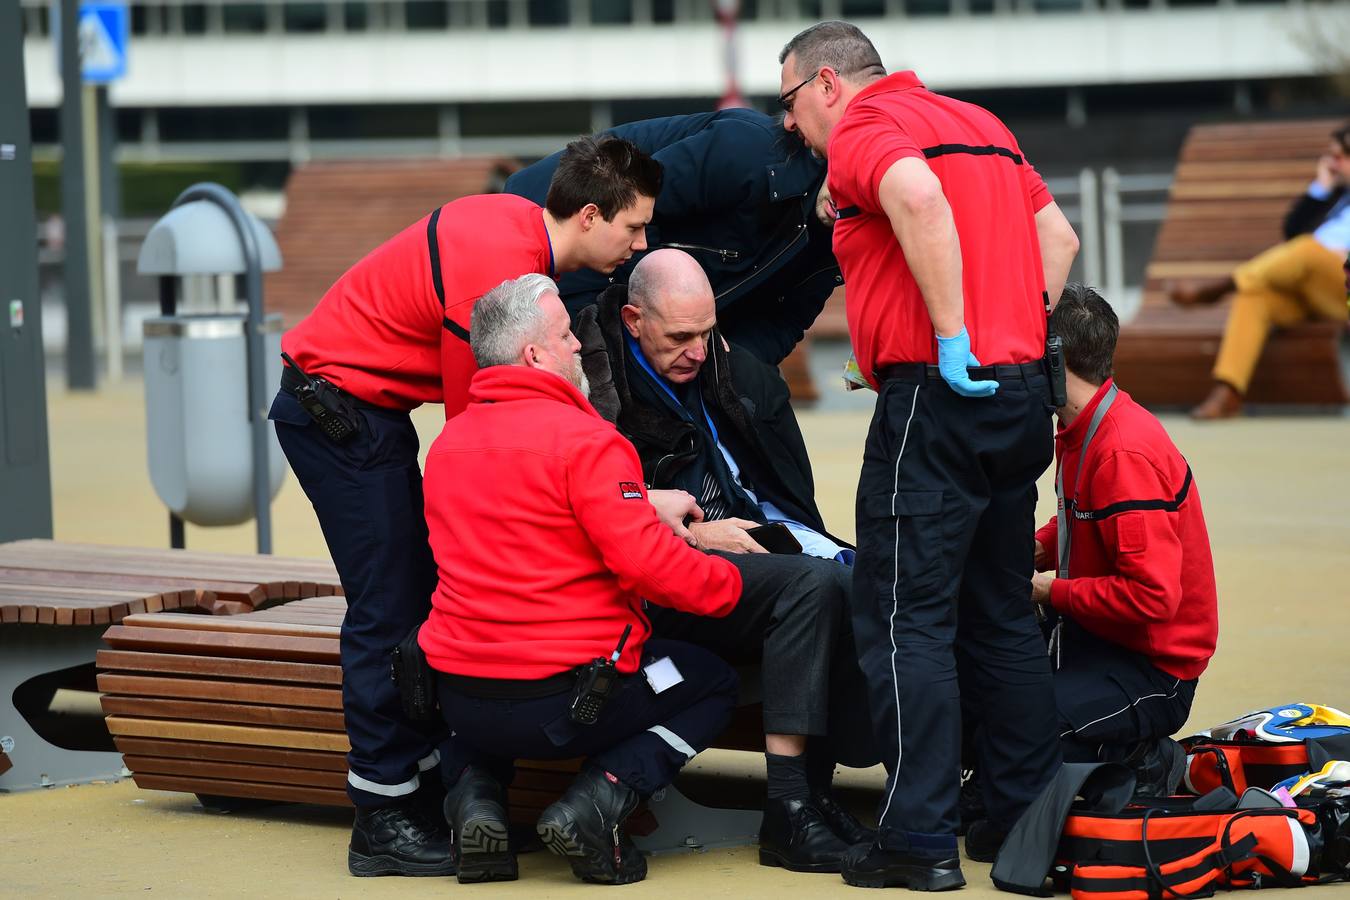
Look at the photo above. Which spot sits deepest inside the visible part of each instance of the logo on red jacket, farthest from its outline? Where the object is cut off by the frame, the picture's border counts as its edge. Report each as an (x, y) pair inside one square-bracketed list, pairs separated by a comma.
[(630, 490)]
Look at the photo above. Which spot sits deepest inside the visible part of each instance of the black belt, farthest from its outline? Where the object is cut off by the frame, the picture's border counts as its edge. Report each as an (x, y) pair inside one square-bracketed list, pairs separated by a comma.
[(916, 372), (510, 688), (292, 381)]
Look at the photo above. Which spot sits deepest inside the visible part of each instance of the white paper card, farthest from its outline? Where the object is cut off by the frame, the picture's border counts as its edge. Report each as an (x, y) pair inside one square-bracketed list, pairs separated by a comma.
[(662, 675)]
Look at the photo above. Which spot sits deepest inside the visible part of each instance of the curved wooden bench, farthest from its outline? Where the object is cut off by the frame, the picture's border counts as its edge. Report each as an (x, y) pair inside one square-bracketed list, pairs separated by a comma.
[(56, 599)]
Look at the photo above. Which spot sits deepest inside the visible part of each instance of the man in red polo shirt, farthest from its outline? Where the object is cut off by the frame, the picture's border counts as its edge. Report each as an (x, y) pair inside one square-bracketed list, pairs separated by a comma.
[(390, 335), (948, 240)]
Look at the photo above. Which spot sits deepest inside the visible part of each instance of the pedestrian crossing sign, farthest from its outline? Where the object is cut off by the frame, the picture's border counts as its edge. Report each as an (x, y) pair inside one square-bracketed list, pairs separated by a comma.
[(103, 32)]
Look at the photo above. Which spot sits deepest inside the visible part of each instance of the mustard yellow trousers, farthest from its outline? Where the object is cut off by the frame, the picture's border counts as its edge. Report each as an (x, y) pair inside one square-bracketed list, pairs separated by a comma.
[(1287, 284)]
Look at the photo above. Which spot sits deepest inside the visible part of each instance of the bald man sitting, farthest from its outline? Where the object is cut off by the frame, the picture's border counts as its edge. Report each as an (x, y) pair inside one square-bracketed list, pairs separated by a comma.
[(710, 419)]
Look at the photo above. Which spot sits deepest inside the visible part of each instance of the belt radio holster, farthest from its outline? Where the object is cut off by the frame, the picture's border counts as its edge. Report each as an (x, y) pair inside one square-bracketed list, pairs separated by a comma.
[(1054, 361), (330, 409), (415, 679)]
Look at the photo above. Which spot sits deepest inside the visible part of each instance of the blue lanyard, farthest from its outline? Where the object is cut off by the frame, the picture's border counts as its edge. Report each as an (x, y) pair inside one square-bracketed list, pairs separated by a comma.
[(636, 350)]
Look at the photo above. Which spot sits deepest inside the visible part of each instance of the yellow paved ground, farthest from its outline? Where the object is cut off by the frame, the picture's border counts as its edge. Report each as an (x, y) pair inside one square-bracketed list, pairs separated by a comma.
[(1275, 492)]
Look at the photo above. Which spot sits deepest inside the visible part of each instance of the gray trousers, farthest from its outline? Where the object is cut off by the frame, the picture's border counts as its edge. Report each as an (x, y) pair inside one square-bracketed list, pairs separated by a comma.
[(794, 620)]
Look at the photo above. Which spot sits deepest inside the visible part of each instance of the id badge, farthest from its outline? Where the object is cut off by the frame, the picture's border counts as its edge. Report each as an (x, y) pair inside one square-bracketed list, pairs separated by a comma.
[(662, 674)]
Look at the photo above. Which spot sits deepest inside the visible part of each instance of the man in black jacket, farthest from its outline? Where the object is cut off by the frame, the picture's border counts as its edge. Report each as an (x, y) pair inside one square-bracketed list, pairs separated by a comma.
[(711, 419), (745, 199), (1291, 282)]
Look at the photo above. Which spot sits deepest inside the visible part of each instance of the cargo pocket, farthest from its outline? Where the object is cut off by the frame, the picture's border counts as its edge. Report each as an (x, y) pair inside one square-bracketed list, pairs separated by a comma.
[(901, 542)]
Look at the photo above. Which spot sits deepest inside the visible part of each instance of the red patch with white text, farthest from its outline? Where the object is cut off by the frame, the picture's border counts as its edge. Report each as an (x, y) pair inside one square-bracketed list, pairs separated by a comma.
[(630, 490)]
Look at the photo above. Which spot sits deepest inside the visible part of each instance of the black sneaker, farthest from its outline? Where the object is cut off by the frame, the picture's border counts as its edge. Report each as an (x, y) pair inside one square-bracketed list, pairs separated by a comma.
[(868, 865), (398, 840), (582, 826), (842, 822), (983, 841), (479, 830), (1158, 766), (796, 836)]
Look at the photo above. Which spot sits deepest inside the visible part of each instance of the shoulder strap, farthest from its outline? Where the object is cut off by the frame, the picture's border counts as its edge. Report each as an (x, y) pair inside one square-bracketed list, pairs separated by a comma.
[(434, 257), (1029, 851)]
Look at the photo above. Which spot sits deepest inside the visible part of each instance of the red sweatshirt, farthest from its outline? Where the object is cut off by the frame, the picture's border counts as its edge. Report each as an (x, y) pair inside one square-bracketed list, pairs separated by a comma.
[(1141, 571), (544, 538), (379, 334)]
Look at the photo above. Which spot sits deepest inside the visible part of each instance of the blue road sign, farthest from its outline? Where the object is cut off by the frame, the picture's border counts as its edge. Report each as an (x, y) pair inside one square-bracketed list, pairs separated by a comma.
[(104, 31)]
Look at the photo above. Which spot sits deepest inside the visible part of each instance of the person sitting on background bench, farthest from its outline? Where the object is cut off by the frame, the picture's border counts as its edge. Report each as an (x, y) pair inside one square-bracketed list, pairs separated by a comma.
[(546, 548), (711, 419), (1132, 600), (1292, 282)]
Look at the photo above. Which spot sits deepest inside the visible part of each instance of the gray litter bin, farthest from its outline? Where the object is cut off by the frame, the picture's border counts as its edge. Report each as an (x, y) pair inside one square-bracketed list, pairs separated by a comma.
[(196, 414)]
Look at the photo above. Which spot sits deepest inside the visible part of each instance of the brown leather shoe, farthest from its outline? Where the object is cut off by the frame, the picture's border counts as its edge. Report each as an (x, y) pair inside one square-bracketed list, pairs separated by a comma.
[(1223, 402), (1197, 295)]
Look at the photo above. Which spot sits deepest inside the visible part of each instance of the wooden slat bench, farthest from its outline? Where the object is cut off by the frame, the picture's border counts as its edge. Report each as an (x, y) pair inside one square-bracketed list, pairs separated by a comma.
[(249, 706), (56, 600), (1233, 186)]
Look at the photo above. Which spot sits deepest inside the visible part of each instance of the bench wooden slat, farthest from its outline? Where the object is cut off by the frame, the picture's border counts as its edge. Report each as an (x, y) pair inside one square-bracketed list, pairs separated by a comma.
[(233, 753), (217, 770), (228, 734), (240, 624), (207, 643), (213, 689), (247, 789), (219, 667), (237, 713)]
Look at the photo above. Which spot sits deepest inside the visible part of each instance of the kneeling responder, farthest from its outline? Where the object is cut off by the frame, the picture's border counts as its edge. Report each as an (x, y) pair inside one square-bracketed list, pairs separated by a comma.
[(546, 547)]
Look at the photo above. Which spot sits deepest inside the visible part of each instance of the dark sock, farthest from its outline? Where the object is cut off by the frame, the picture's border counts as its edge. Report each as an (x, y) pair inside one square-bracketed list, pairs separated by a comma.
[(819, 765), (787, 777)]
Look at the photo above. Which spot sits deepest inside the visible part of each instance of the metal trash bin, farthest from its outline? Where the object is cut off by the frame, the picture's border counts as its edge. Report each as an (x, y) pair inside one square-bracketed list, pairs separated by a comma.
[(197, 422)]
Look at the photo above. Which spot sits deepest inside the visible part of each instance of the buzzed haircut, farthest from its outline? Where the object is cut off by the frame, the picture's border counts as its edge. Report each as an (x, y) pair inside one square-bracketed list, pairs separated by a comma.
[(609, 172), (507, 318), (839, 45), (1088, 328)]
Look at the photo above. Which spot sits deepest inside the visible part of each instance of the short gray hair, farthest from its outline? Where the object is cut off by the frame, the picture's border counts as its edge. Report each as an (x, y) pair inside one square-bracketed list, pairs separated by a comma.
[(839, 45), (507, 318)]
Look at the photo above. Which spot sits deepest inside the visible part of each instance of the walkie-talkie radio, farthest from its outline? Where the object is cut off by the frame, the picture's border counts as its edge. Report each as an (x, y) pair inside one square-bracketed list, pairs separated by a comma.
[(328, 410), (1054, 361), (595, 682)]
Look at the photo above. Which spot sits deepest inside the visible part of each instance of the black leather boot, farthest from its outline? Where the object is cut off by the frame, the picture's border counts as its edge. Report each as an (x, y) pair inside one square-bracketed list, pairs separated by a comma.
[(582, 826), (796, 836), (398, 840), (873, 867), (842, 822), (479, 829)]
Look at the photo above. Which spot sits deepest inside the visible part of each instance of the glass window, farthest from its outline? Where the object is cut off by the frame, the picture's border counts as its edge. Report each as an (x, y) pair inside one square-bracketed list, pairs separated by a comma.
[(239, 123), (304, 18), (373, 122), (244, 18), (549, 12), (517, 119), (428, 15), (611, 12)]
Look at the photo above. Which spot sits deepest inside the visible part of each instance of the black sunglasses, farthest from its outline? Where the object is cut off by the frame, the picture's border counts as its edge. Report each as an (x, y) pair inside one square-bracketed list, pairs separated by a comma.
[(785, 100)]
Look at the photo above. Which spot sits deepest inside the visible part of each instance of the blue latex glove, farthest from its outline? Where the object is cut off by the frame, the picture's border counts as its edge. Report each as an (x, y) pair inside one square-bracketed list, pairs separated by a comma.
[(954, 357)]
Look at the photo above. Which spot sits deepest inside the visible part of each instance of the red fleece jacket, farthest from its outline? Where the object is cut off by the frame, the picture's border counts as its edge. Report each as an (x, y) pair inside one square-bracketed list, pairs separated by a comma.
[(544, 539), (1141, 571)]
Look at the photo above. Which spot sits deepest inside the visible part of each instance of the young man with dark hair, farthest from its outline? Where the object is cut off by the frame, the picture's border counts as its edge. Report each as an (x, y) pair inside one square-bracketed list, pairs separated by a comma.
[(390, 335), (948, 240), (1132, 599)]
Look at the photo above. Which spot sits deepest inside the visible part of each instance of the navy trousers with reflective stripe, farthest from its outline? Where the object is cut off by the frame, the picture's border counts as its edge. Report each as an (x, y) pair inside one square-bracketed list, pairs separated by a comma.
[(942, 602), (640, 737), (367, 494), (1110, 698)]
